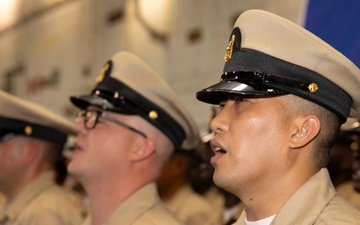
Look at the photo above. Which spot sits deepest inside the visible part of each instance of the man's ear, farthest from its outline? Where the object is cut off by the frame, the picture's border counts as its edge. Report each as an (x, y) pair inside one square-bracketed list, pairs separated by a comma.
[(307, 128), (30, 152), (144, 150)]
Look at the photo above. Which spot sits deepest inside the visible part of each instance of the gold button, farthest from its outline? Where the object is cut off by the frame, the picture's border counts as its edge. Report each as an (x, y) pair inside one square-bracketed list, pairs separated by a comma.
[(28, 130), (153, 114), (116, 94), (313, 87)]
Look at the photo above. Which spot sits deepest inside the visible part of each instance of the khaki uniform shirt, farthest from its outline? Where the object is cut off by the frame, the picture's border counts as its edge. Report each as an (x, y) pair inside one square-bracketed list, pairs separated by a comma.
[(192, 208), (217, 201), (144, 207), (347, 191), (42, 202), (314, 203), (2, 205), (234, 214)]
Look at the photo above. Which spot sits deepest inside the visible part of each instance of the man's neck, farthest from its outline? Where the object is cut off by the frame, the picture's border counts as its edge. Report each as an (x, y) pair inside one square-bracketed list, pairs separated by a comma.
[(106, 198)]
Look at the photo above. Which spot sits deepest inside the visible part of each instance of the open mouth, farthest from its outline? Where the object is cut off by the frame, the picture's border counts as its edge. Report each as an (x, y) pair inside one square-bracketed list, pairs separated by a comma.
[(218, 150), (71, 148), (77, 147), (218, 153)]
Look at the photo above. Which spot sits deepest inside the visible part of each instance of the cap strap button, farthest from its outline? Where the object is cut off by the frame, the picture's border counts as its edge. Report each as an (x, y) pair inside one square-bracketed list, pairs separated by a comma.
[(28, 130), (313, 87), (153, 114)]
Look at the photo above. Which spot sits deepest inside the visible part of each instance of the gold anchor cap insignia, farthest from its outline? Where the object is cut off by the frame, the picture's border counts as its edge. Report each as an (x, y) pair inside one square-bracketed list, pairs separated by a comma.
[(101, 76), (229, 48)]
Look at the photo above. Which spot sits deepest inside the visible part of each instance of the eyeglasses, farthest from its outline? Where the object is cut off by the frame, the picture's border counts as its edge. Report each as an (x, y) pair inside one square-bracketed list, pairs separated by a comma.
[(6, 136), (91, 117)]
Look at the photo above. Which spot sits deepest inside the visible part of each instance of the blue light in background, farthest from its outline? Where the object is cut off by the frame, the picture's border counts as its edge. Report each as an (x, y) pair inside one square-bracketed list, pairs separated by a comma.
[(338, 23)]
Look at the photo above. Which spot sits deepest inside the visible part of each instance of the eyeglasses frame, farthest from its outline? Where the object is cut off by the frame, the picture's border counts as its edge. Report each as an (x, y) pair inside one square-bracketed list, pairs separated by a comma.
[(83, 114)]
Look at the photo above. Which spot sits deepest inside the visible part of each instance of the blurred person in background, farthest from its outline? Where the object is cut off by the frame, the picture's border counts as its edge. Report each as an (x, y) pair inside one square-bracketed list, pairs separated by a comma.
[(340, 165), (127, 128), (176, 191), (350, 189), (32, 139)]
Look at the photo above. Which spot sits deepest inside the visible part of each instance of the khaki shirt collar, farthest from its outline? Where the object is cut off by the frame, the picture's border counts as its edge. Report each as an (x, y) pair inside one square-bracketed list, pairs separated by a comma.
[(318, 190)]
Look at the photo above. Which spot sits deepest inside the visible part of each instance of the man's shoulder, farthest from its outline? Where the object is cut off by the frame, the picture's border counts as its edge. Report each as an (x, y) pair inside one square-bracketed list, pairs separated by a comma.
[(338, 209), (53, 200), (57, 194), (47, 208), (160, 211), (192, 200)]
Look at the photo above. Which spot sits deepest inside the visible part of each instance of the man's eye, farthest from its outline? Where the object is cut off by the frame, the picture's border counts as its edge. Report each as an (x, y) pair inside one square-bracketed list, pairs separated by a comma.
[(239, 99), (221, 106)]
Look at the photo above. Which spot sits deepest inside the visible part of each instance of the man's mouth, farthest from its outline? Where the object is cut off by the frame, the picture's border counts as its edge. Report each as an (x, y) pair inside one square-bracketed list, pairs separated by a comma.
[(77, 147), (218, 150), (216, 147)]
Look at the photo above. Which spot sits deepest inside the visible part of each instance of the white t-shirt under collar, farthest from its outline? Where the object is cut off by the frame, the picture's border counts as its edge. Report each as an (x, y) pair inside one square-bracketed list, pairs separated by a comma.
[(265, 221)]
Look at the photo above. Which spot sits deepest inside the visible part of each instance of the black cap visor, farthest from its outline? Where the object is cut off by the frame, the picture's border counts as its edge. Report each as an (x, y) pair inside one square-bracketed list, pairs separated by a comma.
[(247, 84), (223, 90), (85, 101)]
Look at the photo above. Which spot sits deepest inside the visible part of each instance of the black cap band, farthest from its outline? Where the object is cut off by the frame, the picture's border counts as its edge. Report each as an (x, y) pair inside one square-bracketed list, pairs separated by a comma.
[(17, 127)]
